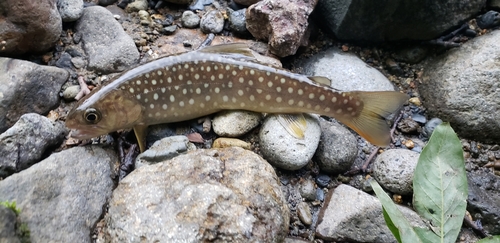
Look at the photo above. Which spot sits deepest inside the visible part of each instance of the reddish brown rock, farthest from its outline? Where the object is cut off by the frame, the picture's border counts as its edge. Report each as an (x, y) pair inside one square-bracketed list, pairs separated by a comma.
[(28, 26), (283, 23), (246, 2)]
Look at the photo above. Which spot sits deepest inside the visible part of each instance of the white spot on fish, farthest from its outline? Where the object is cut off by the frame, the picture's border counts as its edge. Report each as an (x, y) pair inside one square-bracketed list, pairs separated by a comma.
[(138, 82), (346, 101), (334, 99), (196, 76), (252, 72), (153, 82), (321, 97), (290, 102), (159, 73), (261, 79), (146, 91), (282, 80), (270, 84), (207, 98), (268, 97), (155, 96), (202, 105), (311, 96), (317, 107), (300, 92), (169, 80), (221, 76), (208, 69), (206, 85), (301, 103), (290, 90), (217, 90), (241, 80), (147, 75), (240, 92), (230, 84), (225, 98), (184, 91), (358, 103), (138, 97), (164, 106), (157, 114), (250, 82), (278, 89), (278, 99), (181, 103), (198, 91), (163, 90), (339, 111), (131, 90), (172, 98), (252, 98), (259, 91), (180, 77), (191, 101), (327, 109), (233, 100), (242, 104), (152, 106)]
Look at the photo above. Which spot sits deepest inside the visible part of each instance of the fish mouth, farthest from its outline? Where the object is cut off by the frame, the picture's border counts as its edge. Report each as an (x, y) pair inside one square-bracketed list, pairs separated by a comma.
[(82, 134)]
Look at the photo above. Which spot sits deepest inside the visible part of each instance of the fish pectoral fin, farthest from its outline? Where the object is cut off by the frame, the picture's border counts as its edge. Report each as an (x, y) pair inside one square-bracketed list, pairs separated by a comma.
[(321, 80), (231, 48), (295, 124), (140, 135)]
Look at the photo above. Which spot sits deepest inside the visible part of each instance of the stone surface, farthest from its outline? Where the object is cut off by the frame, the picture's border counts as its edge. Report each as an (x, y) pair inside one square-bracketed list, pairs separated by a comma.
[(283, 23), (355, 216), (62, 197), (137, 5), (212, 22), (8, 226), (27, 87), (484, 195), (337, 148), (237, 22), (394, 169), (346, 71), (304, 213), (70, 10), (390, 20), (27, 141), (162, 150), (108, 47), (282, 149), (224, 195), (246, 2), (307, 190), (235, 123), (26, 26), (461, 87), (190, 19)]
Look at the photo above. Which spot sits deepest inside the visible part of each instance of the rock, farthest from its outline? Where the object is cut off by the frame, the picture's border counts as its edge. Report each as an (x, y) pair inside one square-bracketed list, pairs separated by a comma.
[(394, 169), (179, 1), (70, 92), (408, 125), (108, 47), (304, 213), (337, 148), (489, 20), (283, 23), (78, 62), (307, 190), (461, 87), (30, 28), (26, 87), (62, 197), (323, 180), (494, 3), (352, 215), (64, 61), (246, 2), (346, 71), (8, 225), (225, 194), (395, 20), (212, 22), (235, 123), (136, 6), (237, 22), (484, 195), (430, 126), (282, 149), (106, 2), (27, 141), (190, 19), (70, 10), (162, 150), (230, 142)]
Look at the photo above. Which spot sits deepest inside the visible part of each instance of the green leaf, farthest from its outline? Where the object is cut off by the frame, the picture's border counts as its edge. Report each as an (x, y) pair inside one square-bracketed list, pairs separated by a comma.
[(406, 233), (490, 239), (440, 184), (391, 225)]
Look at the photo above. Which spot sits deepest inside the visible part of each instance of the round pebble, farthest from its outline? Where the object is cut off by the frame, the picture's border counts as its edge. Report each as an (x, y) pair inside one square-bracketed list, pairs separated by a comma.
[(430, 126), (237, 21), (190, 19), (212, 22), (137, 5), (70, 92), (394, 168), (235, 123), (337, 149), (304, 213), (408, 125), (320, 194), (285, 151), (307, 190), (323, 180)]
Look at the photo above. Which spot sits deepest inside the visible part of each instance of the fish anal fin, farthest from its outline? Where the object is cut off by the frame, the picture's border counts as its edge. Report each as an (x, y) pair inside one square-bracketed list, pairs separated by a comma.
[(294, 124), (371, 123), (140, 132), (230, 48), (321, 80)]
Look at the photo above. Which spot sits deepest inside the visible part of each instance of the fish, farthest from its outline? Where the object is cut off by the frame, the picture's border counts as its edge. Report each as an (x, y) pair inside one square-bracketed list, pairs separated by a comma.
[(225, 77)]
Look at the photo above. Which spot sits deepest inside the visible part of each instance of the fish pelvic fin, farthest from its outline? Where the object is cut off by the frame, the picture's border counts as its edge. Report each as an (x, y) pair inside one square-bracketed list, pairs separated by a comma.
[(371, 123)]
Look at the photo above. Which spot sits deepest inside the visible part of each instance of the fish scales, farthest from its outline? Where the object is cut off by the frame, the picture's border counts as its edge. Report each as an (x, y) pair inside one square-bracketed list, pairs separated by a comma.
[(196, 84)]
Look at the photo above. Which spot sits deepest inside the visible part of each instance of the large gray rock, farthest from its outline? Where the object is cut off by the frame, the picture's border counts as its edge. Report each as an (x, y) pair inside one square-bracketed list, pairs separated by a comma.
[(27, 87), (355, 216), (390, 20), (62, 197), (227, 195), (27, 141), (27, 26), (8, 226), (394, 170), (346, 71), (462, 87), (107, 45)]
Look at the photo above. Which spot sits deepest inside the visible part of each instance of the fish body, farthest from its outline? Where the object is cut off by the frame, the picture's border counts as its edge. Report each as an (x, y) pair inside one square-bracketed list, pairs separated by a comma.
[(199, 83)]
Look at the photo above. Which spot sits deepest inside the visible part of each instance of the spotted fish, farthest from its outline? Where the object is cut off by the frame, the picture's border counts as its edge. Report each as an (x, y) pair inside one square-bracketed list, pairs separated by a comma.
[(224, 77)]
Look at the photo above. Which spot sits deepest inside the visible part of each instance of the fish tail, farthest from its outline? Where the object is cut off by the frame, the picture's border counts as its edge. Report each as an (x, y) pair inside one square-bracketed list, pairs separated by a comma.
[(371, 123)]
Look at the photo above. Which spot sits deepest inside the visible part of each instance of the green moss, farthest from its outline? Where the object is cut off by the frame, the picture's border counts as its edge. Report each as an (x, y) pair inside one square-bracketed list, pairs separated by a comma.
[(12, 206)]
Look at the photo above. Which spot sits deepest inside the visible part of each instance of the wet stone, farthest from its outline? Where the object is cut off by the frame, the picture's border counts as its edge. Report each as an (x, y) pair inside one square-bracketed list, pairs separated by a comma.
[(70, 10), (323, 180), (408, 125), (307, 190), (430, 126), (190, 19), (212, 22), (394, 168), (304, 213), (235, 123), (163, 149)]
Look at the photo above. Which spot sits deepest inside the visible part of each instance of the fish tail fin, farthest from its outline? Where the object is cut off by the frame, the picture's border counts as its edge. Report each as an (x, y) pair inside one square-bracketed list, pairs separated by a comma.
[(371, 123)]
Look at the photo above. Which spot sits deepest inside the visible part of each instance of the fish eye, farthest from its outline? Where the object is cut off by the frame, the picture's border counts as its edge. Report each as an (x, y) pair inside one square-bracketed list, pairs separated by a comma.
[(91, 115)]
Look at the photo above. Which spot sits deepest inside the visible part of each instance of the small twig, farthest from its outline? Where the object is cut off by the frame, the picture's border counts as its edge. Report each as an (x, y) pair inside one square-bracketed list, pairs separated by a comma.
[(369, 159), (207, 41), (84, 89)]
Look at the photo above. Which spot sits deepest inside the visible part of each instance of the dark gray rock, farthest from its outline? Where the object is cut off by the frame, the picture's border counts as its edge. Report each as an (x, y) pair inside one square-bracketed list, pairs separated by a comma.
[(394, 169), (461, 87), (355, 216), (484, 195), (8, 226), (106, 2), (28, 27), (27, 87), (70, 10), (107, 45), (162, 150), (229, 195), (237, 22), (212, 22), (337, 148), (307, 190), (430, 126), (62, 197), (27, 141), (390, 20), (489, 20)]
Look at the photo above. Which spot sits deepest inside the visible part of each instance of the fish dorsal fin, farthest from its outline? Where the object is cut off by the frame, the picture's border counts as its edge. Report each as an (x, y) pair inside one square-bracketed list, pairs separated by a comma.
[(231, 48), (295, 124), (321, 80)]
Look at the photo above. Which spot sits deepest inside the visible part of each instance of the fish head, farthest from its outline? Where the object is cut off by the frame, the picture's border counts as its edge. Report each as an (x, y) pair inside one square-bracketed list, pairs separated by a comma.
[(101, 113)]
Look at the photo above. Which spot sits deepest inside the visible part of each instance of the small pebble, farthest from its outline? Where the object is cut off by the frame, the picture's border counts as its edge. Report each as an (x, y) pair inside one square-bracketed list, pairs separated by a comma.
[(190, 19), (235, 123), (323, 180), (416, 101), (419, 118), (212, 22), (70, 92), (237, 21), (137, 5), (307, 190), (169, 20), (394, 168), (304, 213), (409, 144), (230, 142), (78, 62), (169, 29), (408, 125), (430, 126), (320, 194)]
